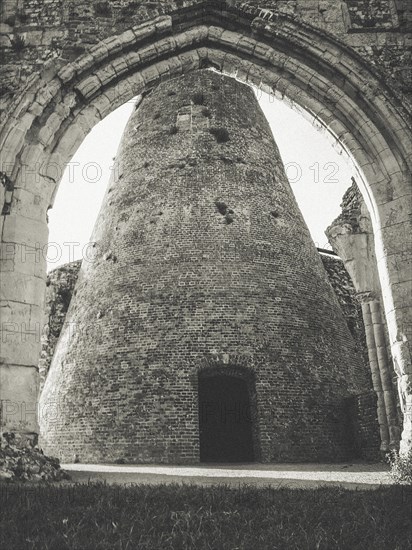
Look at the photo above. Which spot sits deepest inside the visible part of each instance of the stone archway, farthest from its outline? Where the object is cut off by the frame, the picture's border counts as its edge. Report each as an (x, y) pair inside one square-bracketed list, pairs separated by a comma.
[(48, 119)]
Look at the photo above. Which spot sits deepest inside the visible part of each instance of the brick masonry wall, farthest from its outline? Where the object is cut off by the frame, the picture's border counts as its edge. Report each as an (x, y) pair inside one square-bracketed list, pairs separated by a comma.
[(362, 409), (62, 280), (202, 261)]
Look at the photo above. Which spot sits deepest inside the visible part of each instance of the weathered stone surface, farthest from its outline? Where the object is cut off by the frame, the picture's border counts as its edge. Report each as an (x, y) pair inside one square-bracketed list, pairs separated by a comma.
[(19, 386)]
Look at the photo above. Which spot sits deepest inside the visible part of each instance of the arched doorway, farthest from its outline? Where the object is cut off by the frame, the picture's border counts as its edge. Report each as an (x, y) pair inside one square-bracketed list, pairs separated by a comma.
[(225, 419)]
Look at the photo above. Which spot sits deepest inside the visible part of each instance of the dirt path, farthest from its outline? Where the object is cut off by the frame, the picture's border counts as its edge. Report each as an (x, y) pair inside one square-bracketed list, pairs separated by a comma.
[(365, 476)]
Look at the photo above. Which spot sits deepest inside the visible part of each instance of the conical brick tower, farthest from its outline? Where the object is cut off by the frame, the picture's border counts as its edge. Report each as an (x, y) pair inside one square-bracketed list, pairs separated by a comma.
[(205, 327)]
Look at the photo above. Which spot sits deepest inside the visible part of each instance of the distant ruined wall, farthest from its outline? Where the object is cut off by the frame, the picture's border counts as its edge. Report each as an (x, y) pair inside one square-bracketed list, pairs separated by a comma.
[(351, 236), (60, 285), (346, 294)]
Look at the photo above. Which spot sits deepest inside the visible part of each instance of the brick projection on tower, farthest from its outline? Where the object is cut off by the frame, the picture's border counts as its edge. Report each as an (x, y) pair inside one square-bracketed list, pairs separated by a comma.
[(206, 304)]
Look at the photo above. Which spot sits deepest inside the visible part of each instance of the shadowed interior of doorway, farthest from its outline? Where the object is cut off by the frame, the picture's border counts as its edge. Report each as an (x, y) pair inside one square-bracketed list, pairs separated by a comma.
[(225, 420)]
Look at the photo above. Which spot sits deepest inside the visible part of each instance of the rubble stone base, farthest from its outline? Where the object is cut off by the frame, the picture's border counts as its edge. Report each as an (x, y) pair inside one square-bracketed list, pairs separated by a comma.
[(22, 460)]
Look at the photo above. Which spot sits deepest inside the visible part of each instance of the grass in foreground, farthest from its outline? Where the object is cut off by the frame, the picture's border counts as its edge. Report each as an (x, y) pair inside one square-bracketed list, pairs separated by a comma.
[(177, 517)]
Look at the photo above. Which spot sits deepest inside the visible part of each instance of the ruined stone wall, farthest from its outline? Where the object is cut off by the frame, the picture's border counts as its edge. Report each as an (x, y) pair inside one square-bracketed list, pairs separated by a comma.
[(60, 285), (351, 236), (35, 33), (362, 408), (346, 294), (202, 259)]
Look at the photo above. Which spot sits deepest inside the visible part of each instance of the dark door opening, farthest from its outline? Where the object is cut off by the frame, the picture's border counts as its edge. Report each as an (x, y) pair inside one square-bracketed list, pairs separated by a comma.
[(225, 420)]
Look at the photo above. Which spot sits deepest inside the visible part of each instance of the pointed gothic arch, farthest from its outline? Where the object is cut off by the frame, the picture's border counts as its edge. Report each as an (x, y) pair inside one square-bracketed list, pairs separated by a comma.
[(318, 73)]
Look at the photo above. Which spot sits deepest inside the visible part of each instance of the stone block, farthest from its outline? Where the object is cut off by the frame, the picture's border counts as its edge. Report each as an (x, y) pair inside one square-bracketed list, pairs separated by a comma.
[(150, 75), (215, 33), (23, 287), (103, 104), (127, 38), (166, 45), (13, 315), (119, 65), (106, 74), (25, 259), (82, 63), (12, 145), (396, 239), (123, 91), (132, 59), (32, 154), (29, 205), (246, 45), (46, 133), (113, 44), (395, 211), (19, 397), (175, 66), (89, 86), (87, 118), (18, 229), (71, 141), (99, 51), (47, 92), (147, 53), (163, 24), (67, 72), (399, 266)]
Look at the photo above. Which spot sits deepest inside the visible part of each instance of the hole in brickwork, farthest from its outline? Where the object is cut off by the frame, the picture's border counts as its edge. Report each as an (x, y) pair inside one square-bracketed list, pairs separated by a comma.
[(225, 211), (221, 135), (103, 9), (198, 98), (18, 43), (221, 207)]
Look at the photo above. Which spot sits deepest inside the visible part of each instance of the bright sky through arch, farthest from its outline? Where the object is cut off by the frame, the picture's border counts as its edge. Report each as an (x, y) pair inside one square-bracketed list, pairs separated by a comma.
[(318, 174)]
